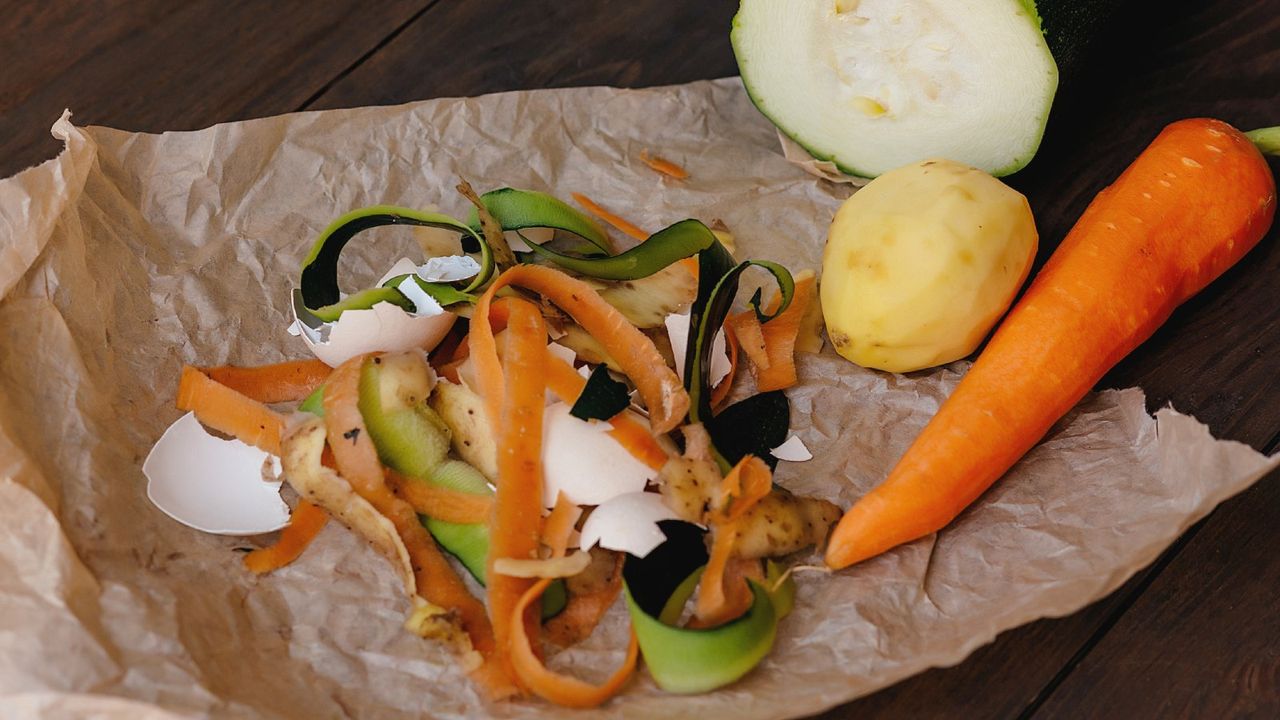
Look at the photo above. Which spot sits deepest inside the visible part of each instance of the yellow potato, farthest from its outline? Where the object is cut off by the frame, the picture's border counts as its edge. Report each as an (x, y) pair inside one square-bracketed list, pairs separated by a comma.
[(921, 263)]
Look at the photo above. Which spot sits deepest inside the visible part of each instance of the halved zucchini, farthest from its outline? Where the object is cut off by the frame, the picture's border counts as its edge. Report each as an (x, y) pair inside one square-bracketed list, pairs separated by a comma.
[(873, 85)]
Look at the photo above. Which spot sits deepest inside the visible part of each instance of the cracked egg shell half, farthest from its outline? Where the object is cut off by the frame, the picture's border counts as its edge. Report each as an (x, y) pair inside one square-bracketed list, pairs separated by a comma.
[(381, 328)]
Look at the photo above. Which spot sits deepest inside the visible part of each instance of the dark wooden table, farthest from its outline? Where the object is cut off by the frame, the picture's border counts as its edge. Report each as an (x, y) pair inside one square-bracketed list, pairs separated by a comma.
[(1195, 635)]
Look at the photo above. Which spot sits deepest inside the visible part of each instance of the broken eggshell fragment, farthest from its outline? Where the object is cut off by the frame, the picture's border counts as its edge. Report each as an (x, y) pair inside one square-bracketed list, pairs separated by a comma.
[(213, 485), (450, 268), (678, 332), (793, 450), (580, 459), (382, 328), (627, 523)]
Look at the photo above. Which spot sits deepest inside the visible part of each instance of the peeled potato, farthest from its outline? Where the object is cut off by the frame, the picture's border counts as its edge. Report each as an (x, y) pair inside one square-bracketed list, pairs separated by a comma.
[(921, 263)]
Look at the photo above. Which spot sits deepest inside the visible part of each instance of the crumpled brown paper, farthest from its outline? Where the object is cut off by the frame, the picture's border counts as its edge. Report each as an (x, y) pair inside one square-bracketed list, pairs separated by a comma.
[(130, 254)]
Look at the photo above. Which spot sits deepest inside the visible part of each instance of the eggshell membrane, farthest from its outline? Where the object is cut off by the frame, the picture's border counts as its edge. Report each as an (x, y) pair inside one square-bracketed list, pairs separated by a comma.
[(211, 484), (580, 459), (449, 268), (627, 523)]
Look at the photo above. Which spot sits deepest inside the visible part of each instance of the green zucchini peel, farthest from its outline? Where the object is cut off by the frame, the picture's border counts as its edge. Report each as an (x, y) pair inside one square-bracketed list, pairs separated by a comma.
[(717, 287), (319, 281), (517, 210), (669, 245), (363, 300), (443, 293), (684, 660), (601, 398)]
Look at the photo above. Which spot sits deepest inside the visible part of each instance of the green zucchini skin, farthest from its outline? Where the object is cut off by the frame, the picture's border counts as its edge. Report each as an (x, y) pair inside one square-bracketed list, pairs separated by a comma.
[(1072, 29)]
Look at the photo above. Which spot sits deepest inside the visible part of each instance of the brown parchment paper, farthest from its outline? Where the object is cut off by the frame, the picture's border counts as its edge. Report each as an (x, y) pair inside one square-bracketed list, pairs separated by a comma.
[(130, 254)]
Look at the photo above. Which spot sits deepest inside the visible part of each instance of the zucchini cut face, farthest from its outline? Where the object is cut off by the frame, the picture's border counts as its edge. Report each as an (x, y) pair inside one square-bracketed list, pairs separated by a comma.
[(873, 85)]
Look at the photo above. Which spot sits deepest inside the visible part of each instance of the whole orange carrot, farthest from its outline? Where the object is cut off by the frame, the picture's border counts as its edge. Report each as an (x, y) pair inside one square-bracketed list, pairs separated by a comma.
[(1192, 204)]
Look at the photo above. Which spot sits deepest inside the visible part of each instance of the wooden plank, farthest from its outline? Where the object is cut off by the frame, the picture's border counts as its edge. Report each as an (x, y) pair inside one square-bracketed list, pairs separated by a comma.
[(1203, 361), (158, 65), (482, 46)]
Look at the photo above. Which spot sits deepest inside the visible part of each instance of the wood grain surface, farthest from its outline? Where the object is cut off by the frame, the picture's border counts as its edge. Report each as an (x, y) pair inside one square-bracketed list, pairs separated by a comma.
[(1194, 635)]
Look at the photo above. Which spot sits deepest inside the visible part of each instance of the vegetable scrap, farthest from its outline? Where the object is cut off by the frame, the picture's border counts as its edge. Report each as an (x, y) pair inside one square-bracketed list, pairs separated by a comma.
[(444, 441), (664, 166)]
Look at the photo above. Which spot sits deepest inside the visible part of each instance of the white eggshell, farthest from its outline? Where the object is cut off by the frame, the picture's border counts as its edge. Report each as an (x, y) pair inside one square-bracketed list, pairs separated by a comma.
[(403, 266), (584, 462), (211, 484), (678, 331), (627, 523), (449, 268), (382, 328), (423, 304), (793, 450)]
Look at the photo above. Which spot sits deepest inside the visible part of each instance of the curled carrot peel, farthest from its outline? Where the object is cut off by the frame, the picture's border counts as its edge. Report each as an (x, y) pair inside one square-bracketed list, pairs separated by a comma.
[(630, 433), (357, 461), (618, 222), (556, 687), (663, 393), (771, 346), (1191, 205), (305, 523), (750, 336), (441, 503), (282, 382), (718, 599), (559, 525), (780, 335), (227, 411), (517, 518), (664, 166)]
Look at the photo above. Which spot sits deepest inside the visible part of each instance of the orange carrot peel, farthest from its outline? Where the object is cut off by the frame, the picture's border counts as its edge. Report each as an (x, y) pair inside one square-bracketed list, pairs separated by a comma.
[(441, 503), (664, 166), (228, 411), (305, 523), (663, 393), (718, 600), (780, 334), (771, 346), (517, 517), (622, 225), (556, 687), (282, 382)]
